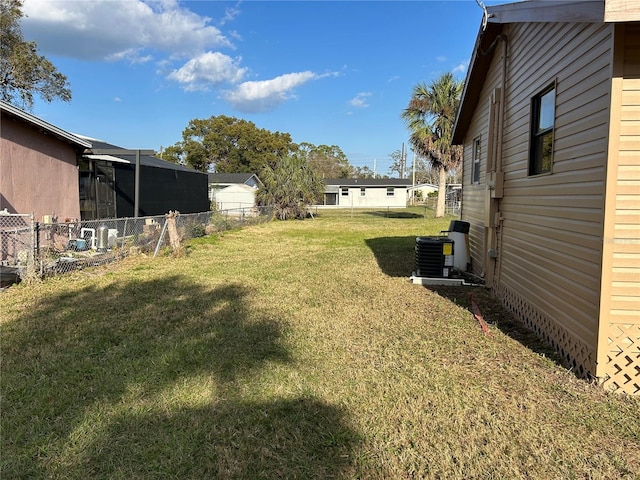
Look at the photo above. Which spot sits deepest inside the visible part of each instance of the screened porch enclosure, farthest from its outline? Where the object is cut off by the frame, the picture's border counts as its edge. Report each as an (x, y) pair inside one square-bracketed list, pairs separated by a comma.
[(97, 190)]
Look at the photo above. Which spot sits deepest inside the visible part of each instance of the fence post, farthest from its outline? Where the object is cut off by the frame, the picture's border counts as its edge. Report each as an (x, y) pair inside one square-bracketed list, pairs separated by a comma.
[(37, 251), (124, 232), (164, 229), (174, 238), (31, 259)]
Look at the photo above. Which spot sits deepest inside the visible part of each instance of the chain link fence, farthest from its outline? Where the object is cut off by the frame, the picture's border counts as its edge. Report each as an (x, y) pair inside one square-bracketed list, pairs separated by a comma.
[(32, 249), (18, 240), (452, 206), (426, 208)]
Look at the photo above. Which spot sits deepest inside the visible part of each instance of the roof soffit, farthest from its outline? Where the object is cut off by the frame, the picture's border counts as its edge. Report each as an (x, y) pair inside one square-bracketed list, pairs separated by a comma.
[(482, 55)]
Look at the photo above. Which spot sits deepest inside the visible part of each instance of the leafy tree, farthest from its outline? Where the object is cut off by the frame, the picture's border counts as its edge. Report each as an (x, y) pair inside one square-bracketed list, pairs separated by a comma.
[(397, 163), (173, 153), (363, 172), (229, 145), (425, 171), (290, 187), (328, 161), (430, 117), (23, 72)]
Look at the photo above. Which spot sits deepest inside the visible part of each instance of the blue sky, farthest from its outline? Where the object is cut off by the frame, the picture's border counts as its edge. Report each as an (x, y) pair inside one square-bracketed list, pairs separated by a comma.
[(332, 73)]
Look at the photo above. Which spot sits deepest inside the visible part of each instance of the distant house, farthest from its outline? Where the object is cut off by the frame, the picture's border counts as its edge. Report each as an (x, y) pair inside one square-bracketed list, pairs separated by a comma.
[(38, 166), (550, 124), (233, 191), (107, 176), (421, 191), (365, 192)]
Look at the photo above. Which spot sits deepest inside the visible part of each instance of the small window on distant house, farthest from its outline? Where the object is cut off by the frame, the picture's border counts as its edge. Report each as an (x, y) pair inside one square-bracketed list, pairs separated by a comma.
[(391, 191), (475, 176), (542, 121), (363, 191), (344, 191)]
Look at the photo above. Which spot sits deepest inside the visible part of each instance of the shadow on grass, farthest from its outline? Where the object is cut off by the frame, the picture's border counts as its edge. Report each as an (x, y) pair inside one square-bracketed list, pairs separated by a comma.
[(157, 379), (396, 258), (395, 255), (299, 438), (394, 214), (497, 316)]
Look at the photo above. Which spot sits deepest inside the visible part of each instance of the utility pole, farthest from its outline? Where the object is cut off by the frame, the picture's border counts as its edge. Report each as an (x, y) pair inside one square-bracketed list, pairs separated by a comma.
[(402, 160), (413, 182)]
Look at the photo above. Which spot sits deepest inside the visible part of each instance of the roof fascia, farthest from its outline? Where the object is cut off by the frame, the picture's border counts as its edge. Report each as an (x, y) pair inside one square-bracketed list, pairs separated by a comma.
[(105, 158), (253, 175), (536, 11), (566, 11), (46, 126), (121, 151), (367, 182), (477, 71)]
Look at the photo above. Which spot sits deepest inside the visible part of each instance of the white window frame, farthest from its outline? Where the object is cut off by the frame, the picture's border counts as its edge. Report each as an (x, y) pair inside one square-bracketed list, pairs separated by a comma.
[(477, 154)]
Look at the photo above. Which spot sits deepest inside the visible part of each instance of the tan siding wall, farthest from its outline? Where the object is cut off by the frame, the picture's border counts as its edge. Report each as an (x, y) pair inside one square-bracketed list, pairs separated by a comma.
[(621, 312), (550, 240), (474, 194)]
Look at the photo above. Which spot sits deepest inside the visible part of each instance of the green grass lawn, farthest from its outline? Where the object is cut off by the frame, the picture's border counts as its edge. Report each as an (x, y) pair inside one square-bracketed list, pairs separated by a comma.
[(292, 350)]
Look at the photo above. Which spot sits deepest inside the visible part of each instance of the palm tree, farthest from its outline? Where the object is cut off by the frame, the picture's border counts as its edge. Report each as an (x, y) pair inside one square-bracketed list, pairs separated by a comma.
[(290, 187), (430, 117)]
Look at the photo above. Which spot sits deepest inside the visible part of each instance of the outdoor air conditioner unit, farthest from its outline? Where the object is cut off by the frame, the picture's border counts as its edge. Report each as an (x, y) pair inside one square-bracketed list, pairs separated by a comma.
[(434, 257)]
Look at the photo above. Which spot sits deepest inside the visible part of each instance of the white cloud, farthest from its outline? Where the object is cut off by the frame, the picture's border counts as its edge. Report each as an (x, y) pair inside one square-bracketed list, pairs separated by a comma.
[(132, 55), (461, 67), (441, 58), (265, 95), (208, 70), (360, 100), (185, 46), (112, 29), (230, 13)]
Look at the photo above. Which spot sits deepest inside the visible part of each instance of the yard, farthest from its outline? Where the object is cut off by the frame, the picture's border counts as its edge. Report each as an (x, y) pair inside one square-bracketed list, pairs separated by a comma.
[(292, 350)]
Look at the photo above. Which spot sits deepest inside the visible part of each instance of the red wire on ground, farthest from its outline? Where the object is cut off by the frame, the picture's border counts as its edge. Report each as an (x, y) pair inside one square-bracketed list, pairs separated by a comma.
[(478, 315)]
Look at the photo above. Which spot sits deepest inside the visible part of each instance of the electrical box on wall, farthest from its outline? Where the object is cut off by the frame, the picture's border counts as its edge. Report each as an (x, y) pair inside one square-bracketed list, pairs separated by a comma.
[(495, 183)]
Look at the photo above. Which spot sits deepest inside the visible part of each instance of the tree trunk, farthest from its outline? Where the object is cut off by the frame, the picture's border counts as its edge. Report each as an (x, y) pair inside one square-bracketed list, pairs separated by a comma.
[(174, 237), (442, 191)]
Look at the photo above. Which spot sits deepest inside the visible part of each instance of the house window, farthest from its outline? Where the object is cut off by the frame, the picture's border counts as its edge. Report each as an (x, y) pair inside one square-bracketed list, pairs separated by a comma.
[(344, 191), (362, 191), (475, 176), (391, 191), (542, 116)]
